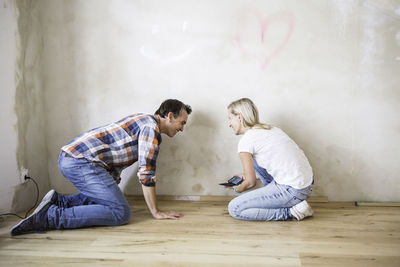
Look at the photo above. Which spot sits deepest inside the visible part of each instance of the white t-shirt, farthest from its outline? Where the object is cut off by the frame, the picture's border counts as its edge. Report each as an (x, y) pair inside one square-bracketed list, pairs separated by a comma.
[(274, 151)]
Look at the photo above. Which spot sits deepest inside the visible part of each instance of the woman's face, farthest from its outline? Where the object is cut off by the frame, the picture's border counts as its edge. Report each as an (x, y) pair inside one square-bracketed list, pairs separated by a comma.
[(234, 122)]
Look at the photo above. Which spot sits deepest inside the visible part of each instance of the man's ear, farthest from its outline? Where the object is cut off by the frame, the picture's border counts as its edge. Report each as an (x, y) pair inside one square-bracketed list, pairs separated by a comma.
[(170, 116)]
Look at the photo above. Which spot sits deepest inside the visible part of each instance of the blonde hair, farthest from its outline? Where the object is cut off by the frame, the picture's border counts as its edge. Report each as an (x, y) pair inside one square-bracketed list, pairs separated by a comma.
[(249, 113)]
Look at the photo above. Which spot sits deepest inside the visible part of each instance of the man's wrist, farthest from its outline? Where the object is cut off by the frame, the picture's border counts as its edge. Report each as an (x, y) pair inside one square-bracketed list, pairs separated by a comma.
[(154, 211)]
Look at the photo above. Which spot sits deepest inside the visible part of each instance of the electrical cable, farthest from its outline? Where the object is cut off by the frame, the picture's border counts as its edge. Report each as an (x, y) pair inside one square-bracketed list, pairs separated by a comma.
[(37, 195), (13, 214), (37, 199)]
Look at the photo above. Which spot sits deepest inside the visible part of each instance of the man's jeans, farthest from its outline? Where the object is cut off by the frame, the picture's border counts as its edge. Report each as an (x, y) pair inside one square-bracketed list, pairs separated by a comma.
[(100, 201), (269, 203)]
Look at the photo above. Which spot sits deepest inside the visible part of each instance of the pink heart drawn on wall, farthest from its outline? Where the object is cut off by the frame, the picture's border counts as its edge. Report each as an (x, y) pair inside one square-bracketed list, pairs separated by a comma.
[(264, 49)]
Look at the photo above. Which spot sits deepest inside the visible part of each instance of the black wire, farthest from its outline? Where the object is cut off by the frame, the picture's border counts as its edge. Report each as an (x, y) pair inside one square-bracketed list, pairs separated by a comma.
[(37, 196), (5, 214), (37, 199)]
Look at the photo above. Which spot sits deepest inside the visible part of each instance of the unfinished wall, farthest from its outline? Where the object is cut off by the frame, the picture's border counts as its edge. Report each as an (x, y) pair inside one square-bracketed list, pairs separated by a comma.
[(326, 72), (8, 161), (29, 105), (23, 131)]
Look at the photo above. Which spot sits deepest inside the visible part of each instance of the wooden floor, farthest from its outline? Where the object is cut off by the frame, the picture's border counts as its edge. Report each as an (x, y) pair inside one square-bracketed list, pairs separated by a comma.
[(339, 234)]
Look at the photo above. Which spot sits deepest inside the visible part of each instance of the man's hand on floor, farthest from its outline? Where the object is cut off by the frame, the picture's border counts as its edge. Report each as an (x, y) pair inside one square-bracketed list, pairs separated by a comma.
[(162, 215)]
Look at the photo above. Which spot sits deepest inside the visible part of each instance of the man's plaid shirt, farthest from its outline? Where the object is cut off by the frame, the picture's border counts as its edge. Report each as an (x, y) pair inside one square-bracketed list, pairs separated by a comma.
[(120, 144)]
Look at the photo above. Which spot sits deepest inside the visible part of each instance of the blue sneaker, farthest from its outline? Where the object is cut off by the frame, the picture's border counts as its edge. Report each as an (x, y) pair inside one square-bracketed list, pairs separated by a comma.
[(36, 222), (51, 196)]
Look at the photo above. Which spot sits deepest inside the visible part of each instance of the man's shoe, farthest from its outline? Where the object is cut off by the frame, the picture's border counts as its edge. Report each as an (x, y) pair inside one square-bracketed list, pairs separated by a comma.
[(36, 222), (301, 210), (50, 197)]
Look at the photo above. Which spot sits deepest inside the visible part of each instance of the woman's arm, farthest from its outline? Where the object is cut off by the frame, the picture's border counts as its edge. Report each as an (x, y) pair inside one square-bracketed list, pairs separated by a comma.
[(249, 173)]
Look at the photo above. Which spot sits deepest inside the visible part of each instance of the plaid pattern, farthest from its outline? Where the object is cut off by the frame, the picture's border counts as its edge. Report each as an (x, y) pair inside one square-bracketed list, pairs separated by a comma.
[(120, 144)]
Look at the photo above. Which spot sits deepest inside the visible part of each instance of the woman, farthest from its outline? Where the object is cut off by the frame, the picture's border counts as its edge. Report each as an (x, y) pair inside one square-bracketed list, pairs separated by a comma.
[(268, 153)]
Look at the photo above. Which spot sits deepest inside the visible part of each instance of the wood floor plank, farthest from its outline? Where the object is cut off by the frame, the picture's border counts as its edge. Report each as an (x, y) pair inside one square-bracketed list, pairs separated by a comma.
[(339, 234)]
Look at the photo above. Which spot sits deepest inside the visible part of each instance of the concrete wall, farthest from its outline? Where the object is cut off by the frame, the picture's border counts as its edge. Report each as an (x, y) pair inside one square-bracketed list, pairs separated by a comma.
[(29, 104), (23, 132), (326, 72), (8, 160)]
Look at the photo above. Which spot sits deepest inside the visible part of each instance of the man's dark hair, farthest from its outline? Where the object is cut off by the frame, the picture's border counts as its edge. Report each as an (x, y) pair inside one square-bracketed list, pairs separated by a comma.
[(172, 105)]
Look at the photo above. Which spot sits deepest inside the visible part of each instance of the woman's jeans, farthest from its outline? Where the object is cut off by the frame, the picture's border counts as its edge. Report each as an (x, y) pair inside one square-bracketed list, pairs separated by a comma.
[(100, 201), (269, 203)]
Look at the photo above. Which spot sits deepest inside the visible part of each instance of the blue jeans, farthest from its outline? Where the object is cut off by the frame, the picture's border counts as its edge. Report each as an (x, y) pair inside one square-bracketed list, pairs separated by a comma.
[(100, 201), (269, 203)]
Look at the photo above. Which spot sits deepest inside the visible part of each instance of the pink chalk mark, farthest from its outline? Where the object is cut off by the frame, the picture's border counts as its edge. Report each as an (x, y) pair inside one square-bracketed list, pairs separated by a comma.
[(264, 28), (265, 25)]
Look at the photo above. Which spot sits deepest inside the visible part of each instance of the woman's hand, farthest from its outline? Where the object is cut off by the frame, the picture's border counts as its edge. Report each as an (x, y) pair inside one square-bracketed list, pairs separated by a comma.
[(249, 176), (237, 175)]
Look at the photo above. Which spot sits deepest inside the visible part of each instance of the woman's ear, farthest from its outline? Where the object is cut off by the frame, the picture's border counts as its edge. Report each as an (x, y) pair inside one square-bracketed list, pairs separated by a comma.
[(240, 117)]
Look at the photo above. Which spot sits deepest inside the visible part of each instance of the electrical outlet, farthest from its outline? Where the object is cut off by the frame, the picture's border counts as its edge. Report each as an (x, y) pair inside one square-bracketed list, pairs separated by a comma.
[(23, 172)]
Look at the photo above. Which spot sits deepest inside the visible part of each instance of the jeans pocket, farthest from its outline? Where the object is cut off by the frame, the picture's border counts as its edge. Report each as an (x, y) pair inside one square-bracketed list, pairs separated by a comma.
[(74, 174), (295, 193), (75, 170), (301, 194)]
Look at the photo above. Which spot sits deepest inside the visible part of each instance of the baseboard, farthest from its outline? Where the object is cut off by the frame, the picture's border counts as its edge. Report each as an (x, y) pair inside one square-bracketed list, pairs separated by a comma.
[(312, 199), (378, 204)]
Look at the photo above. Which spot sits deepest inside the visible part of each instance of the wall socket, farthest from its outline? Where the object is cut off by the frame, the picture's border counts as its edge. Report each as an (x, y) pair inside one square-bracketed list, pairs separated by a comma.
[(23, 172)]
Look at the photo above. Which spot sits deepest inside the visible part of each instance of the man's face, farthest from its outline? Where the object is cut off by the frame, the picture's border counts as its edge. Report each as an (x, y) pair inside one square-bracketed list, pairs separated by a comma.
[(177, 124)]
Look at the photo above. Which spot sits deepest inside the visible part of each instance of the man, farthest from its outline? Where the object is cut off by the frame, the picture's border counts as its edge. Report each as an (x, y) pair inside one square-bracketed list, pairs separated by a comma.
[(93, 163)]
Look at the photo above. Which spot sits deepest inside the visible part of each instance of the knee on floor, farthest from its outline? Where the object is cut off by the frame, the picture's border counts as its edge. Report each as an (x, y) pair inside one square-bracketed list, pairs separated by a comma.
[(122, 215), (232, 209)]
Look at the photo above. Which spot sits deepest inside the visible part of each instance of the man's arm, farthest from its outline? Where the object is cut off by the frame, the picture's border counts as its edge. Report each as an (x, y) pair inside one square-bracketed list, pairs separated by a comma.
[(148, 151), (149, 193)]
